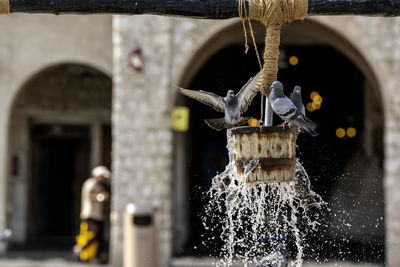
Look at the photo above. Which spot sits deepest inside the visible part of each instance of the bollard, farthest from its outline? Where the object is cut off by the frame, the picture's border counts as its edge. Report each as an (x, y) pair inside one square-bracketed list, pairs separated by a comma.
[(138, 236)]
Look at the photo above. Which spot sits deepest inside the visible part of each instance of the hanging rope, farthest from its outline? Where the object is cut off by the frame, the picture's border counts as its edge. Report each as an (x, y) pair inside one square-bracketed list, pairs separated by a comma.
[(4, 6), (277, 12), (272, 13)]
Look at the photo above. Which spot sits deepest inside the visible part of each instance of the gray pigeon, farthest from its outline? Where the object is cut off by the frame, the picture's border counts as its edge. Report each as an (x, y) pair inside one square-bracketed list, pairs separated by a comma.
[(232, 105), (278, 258), (296, 99), (287, 111)]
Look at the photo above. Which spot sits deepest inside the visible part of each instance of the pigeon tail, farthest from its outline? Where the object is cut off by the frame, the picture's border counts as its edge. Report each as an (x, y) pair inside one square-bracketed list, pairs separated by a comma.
[(217, 124), (309, 123), (310, 131)]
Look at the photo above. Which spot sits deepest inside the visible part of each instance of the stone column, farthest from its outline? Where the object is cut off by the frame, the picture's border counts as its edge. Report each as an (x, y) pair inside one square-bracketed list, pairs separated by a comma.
[(392, 152), (392, 192), (142, 139)]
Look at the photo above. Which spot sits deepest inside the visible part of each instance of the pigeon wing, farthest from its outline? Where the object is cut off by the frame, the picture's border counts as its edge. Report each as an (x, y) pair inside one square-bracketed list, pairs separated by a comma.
[(248, 92), (284, 108), (208, 98)]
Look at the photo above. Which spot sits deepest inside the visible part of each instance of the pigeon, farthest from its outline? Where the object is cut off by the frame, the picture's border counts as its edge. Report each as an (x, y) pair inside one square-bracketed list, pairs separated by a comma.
[(287, 111), (278, 258), (232, 105), (296, 99)]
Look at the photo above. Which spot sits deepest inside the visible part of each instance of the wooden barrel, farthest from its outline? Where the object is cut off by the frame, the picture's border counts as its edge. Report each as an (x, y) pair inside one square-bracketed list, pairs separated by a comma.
[(272, 150)]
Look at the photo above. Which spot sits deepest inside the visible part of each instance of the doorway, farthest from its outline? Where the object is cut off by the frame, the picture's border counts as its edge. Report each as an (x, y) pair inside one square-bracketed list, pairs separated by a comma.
[(59, 164), (59, 130)]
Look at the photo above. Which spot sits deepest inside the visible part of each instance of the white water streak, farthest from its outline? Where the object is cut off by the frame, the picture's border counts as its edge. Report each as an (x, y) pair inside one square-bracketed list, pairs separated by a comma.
[(264, 211)]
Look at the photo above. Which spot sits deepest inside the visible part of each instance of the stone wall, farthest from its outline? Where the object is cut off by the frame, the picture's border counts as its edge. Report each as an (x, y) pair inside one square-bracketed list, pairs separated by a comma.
[(30, 44), (142, 139), (392, 150), (66, 88), (173, 51)]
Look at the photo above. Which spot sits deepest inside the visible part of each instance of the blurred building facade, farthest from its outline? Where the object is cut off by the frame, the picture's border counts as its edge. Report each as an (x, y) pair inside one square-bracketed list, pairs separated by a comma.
[(57, 93), (55, 81)]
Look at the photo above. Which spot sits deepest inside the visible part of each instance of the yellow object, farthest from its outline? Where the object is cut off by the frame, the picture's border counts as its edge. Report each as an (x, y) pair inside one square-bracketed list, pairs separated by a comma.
[(317, 99), (310, 107), (180, 119), (351, 132), (253, 122), (313, 94), (315, 106), (81, 240), (340, 132), (4, 6), (293, 60)]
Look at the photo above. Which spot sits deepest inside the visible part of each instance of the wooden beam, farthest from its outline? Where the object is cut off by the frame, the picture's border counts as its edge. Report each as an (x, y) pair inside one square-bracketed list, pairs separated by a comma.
[(354, 7), (207, 9)]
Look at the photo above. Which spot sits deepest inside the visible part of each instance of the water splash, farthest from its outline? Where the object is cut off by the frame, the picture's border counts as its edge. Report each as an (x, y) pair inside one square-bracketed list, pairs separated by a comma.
[(253, 214)]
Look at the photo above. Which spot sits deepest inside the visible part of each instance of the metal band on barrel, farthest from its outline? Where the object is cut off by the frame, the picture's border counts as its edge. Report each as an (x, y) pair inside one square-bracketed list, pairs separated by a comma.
[(4, 6)]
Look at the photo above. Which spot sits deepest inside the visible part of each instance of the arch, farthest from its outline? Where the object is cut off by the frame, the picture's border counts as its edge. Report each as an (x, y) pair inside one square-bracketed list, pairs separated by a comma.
[(299, 33), (80, 103), (310, 30), (36, 72)]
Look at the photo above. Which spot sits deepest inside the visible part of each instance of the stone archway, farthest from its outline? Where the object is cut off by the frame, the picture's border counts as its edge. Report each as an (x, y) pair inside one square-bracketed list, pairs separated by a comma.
[(296, 35), (59, 128)]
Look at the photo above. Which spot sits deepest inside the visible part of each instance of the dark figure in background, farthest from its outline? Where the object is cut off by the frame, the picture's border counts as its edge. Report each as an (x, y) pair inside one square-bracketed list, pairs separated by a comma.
[(95, 194)]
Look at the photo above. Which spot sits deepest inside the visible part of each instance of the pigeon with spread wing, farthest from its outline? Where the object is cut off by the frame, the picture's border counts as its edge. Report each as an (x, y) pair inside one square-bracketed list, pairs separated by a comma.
[(232, 105)]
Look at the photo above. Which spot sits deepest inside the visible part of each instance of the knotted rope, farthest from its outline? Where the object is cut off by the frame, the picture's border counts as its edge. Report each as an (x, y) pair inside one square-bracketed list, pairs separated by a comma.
[(272, 13), (4, 6)]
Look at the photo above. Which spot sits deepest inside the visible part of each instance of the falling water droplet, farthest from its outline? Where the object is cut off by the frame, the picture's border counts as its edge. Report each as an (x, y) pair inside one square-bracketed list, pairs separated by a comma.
[(256, 217)]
